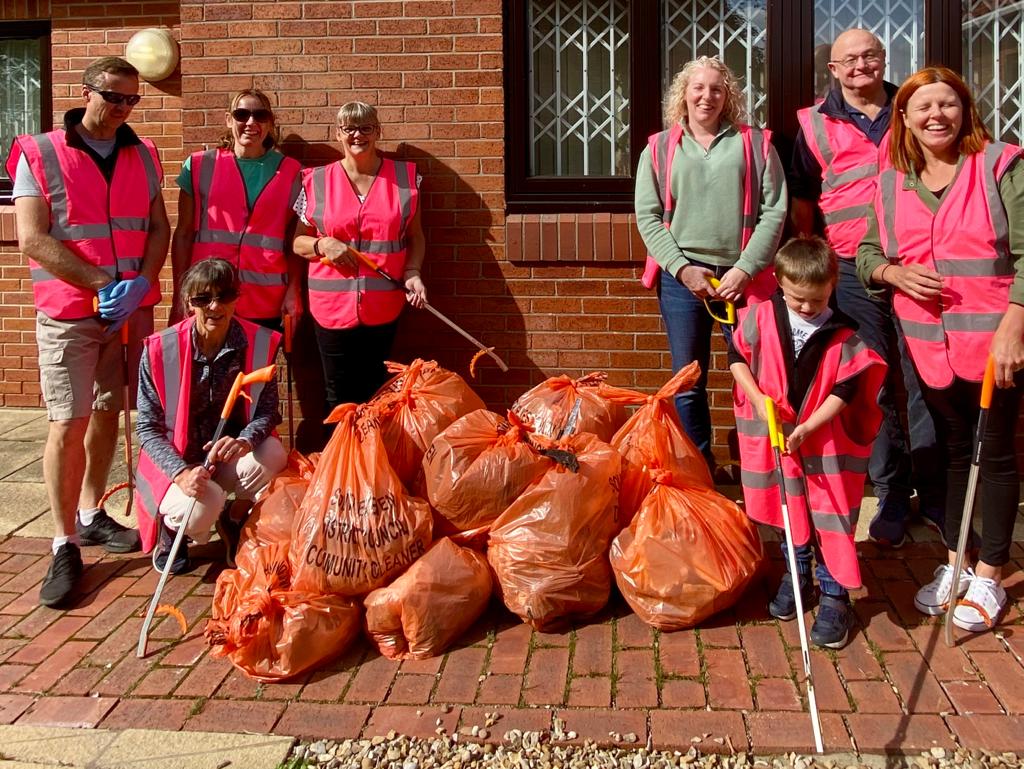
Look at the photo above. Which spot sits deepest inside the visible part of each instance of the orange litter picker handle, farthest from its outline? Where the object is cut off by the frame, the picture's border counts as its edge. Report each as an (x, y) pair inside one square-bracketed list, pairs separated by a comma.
[(988, 384), (264, 374), (288, 334)]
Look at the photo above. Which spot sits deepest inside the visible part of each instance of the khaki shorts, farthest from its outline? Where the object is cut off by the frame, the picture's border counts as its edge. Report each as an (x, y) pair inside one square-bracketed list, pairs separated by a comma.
[(80, 364)]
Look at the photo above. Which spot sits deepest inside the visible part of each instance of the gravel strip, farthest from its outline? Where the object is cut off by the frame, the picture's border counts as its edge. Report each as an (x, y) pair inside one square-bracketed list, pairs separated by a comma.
[(523, 750)]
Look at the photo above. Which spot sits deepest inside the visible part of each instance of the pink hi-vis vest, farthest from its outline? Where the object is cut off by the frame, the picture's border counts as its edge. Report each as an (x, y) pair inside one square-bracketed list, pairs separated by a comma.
[(104, 225), (346, 297), (827, 476), (850, 164), (967, 242), (170, 360), (756, 146), (252, 240)]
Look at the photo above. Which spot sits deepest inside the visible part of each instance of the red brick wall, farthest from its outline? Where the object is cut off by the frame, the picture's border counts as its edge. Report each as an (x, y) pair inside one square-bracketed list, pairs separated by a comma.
[(530, 287)]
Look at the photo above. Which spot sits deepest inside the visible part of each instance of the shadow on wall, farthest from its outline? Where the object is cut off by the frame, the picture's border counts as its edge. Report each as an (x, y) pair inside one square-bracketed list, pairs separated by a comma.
[(464, 278)]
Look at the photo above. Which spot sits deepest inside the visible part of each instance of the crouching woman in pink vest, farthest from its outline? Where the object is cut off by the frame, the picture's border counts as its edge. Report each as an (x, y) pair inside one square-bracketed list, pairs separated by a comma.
[(368, 203), (729, 189), (185, 375), (947, 236)]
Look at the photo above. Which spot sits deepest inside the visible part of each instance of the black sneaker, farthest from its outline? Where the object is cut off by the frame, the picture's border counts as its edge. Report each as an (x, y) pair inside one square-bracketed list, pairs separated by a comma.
[(164, 542), (783, 605), (105, 531), (64, 572), (831, 626), (230, 531)]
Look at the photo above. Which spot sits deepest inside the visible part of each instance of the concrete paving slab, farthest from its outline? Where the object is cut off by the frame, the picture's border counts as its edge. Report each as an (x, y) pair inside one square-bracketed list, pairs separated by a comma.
[(20, 503), (137, 748), (38, 526), (13, 420), (31, 471), (15, 455), (32, 429)]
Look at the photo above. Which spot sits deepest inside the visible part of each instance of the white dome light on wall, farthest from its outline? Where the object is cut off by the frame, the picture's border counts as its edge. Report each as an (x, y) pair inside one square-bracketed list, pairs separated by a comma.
[(153, 52)]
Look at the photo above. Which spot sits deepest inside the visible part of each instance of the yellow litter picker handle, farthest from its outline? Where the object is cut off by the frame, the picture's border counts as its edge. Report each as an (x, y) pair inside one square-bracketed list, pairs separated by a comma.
[(775, 434), (730, 307)]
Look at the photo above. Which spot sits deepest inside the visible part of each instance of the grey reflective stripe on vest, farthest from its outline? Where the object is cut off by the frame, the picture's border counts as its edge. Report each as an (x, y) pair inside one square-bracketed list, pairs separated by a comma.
[(661, 172), (820, 136), (129, 223), (205, 184), (752, 427), (362, 283), (834, 464), (38, 273), (254, 278), (850, 350), (404, 184), (836, 524), (315, 213), (260, 357), (834, 180), (1000, 225), (171, 355), (974, 268), (231, 238), (926, 332), (381, 246), (848, 214), (887, 185), (60, 230), (129, 264), (145, 491), (151, 175), (971, 321), (769, 480), (752, 336)]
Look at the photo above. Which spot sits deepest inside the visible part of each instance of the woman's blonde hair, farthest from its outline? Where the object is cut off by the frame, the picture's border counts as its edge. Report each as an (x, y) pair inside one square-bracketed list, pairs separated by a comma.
[(273, 137), (734, 111), (904, 150), (358, 113)]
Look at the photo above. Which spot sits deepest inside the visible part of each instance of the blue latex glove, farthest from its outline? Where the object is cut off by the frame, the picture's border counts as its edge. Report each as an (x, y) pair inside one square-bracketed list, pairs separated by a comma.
[(125, 299), (106, 292)]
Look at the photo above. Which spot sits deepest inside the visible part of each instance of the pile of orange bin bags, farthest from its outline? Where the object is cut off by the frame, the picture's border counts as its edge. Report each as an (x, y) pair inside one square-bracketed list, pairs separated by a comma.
[(424, 504)]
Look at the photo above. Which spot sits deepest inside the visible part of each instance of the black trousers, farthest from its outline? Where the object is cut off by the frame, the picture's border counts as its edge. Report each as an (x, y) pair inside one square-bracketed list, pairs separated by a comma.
[(955, 410), (353, 361)]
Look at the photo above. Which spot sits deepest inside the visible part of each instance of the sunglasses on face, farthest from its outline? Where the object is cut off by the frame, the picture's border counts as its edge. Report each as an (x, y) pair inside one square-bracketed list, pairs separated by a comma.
[(113, 97), (207, 298), (260, 115), (362, 130)]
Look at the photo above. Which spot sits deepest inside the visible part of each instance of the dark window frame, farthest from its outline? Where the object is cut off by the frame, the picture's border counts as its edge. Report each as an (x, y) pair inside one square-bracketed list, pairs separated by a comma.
[(35, 29), (790, 51)]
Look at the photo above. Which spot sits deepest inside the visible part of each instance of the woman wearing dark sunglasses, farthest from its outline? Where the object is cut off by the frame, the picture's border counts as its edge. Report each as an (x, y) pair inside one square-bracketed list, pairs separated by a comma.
[(235, 202), (363, 204), (184, 379)]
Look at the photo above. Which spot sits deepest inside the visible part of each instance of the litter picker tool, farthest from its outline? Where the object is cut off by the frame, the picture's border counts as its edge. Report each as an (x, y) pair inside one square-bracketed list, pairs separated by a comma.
[(730, 307), (430, 308), (778, 441), (265, 374), (987, 386), (288, 361)]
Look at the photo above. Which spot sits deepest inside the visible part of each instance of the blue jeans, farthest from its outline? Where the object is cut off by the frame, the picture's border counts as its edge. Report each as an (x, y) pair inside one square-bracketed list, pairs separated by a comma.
[(689, 326), (804, 556), (891, 468)]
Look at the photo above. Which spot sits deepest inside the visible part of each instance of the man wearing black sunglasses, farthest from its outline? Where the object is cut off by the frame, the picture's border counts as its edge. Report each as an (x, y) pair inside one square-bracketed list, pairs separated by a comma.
[(92, 224)]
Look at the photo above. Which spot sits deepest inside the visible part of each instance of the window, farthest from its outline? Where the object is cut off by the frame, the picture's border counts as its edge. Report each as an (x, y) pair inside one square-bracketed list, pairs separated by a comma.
[(993, 65), (24, 86)]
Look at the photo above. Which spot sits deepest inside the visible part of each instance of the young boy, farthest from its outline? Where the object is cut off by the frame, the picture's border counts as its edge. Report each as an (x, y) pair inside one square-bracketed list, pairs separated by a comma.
[(805, 356)]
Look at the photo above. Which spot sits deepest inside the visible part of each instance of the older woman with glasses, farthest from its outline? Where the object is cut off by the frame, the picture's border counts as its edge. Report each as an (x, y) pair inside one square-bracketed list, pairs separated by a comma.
[(363, 205), (235, 202), (184, 378)]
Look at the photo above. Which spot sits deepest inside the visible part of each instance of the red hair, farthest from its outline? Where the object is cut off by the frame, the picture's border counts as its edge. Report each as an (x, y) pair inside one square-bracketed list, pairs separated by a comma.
[(904, 151)]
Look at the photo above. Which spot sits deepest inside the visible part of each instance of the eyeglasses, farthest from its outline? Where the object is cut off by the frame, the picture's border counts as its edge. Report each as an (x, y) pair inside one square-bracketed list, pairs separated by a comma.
[(113, 97), (362, 130), (260, 115), (869, 57), (206, 299)]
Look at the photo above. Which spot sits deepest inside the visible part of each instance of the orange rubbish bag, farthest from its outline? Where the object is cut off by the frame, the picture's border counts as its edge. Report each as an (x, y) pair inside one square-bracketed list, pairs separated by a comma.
[(689, 553), (652, 438), (413, 407), (357, 528), (478, 466), (424, 611), (270, 521), (551, 407), (549, 549), (271, 632)]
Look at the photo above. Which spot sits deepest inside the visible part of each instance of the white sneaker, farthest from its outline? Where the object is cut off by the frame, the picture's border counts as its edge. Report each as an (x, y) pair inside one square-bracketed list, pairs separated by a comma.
[(933, 598), (981, 608)]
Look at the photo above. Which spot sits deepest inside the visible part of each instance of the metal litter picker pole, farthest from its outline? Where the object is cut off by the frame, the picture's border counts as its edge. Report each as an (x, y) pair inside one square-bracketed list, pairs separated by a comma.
[(778, 441), (987, 386), (127, 396), (288, 330), (430, 308), (259, 375)]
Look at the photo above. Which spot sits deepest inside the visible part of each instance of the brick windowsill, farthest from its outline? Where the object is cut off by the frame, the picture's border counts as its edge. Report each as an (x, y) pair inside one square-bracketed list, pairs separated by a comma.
[(573, 238)]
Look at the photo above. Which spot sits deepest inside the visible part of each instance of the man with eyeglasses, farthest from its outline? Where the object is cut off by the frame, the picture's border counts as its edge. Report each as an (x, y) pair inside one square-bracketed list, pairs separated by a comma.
[(842, 146), (92, 224)]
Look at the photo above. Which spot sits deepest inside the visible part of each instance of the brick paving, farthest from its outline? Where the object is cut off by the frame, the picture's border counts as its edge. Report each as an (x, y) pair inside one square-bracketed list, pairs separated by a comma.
[(734, 683)]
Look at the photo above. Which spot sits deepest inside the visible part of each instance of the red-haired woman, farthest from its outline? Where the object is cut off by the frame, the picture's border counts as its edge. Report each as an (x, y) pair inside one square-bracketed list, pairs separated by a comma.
[(235, 202), (947, 238)]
